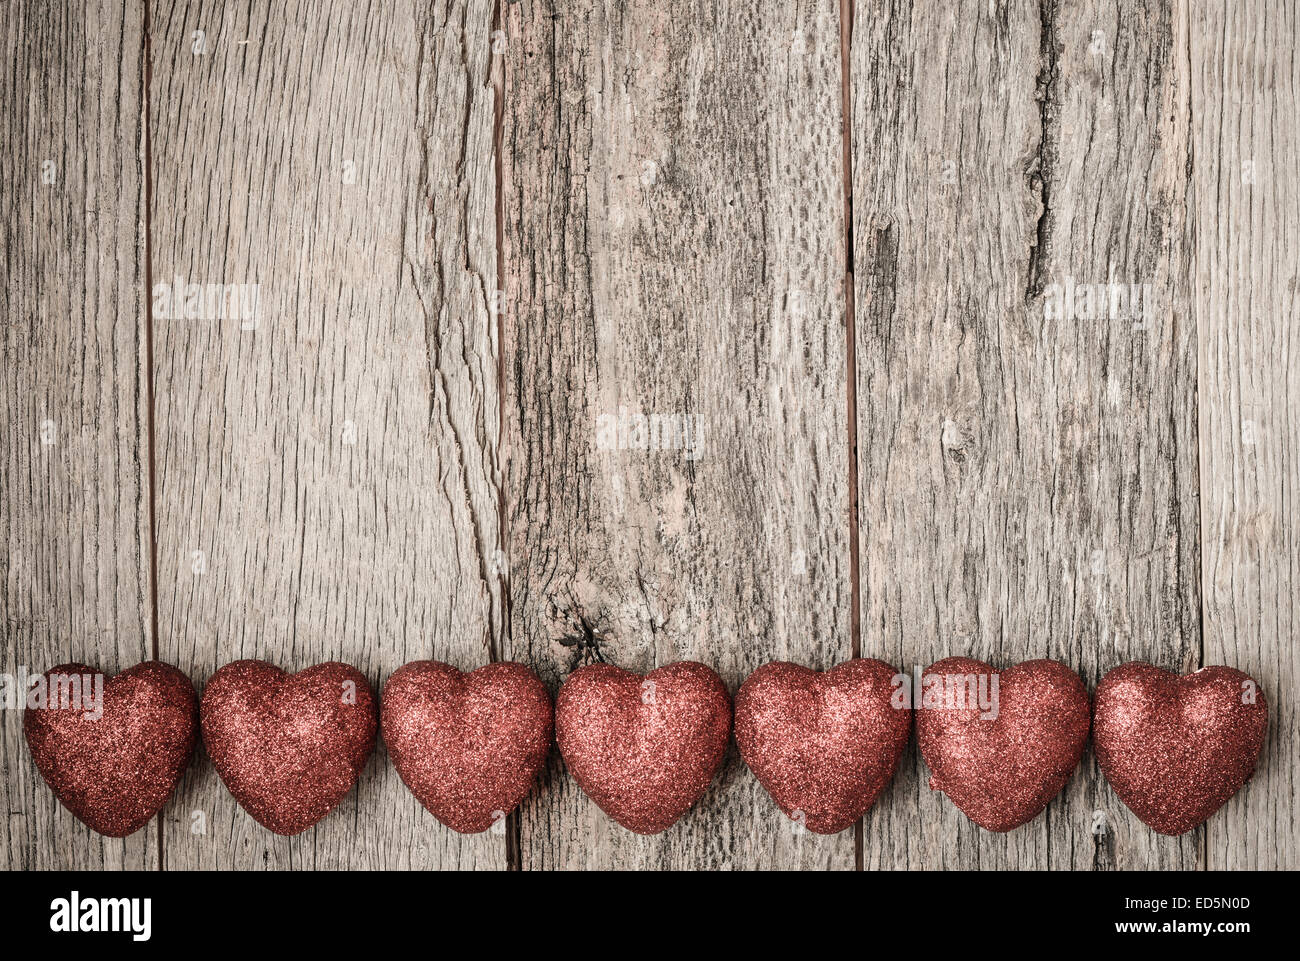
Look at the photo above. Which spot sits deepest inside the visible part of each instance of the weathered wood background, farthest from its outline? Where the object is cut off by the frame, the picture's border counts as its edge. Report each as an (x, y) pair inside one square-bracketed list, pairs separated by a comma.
[(823, 236)]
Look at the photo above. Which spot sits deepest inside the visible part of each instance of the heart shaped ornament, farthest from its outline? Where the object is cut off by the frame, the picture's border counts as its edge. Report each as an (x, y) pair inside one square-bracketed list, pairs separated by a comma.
[(112, 749), (288, 746), (1176, 748), (1001, 744), (469, 746), (645, 749), (823, 744)]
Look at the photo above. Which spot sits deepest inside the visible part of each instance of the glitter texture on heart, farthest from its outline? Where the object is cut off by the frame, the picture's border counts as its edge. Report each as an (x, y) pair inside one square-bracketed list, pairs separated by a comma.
[(1175, 749), (823, 744), (288, 746), (1003, 763), (645, 749), (469, 746), (114, 771)]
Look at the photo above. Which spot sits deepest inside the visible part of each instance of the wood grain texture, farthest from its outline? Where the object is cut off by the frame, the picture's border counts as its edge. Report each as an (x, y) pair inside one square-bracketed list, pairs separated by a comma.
[(673, 247), (74, 559), (1245, 101), (1028, 480), (333, 459), (378, 466)]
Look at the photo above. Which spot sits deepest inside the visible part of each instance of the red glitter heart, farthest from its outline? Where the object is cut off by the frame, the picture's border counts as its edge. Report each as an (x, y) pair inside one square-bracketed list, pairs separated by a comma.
[(469, 746), (288, 746), (1001, 771), (117, 770), (1176, 748), (643, 748), (824, 745)]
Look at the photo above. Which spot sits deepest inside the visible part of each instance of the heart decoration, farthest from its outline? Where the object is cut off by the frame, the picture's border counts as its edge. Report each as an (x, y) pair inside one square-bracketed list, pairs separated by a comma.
[(823, 744), (288, 746), (1175, 749), (112, 750), (469, 746), (1001, 744), (645, 749)]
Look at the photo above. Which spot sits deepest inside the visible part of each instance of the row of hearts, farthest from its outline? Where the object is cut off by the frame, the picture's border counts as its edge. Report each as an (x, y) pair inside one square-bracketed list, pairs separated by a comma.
[(645, 749)]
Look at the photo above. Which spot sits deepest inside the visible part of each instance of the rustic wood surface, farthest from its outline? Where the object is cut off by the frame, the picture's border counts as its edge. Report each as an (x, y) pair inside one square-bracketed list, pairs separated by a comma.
[(1028, 482), (823, 237), (332, 460), (673, 246), (1245, 286), (74, 487)]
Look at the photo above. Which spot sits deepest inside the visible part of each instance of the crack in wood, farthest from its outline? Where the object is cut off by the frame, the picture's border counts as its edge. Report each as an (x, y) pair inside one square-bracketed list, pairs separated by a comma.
[(1040, 168), (586, 639)]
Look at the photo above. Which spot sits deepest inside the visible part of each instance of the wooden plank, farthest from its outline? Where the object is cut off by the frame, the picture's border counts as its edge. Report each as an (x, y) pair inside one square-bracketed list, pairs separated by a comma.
[(673, 246), (1028, 481), (327, 476), (74, 560), (1245, 98)]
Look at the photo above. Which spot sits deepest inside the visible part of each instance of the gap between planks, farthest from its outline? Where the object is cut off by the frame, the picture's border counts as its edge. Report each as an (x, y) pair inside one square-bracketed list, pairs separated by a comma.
[(146, 83), (851, 353)]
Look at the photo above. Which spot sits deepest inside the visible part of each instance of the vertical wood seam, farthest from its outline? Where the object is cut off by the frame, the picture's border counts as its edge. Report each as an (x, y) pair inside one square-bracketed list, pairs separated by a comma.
[(496, 79), (1045, 163), (146, 73), (1202, 832), (851, 347)]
